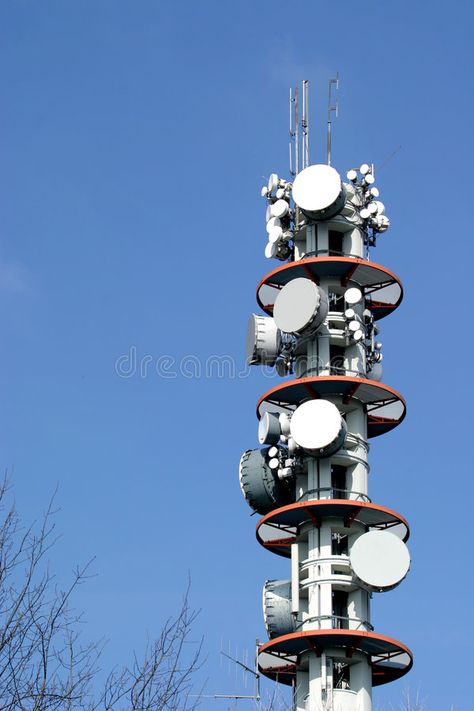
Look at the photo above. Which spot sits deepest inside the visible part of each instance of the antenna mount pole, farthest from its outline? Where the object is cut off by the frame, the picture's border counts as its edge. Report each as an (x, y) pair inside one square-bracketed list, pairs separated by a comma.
[(332, 108), (305, 125)]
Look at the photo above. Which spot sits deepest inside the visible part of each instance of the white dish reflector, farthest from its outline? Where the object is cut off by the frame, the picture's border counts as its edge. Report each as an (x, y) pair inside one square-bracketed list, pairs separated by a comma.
[(270, 250), (318, 428), (280, 208), (300, 306), (263, 340), (273, 222), (380, 560), (318, 188), (352, 296), (275, 235), (272, 182), (269, 431)]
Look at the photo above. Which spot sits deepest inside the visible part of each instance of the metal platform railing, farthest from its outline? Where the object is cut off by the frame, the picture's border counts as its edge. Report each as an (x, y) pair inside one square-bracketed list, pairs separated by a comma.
[(339, 622), (335, 493)]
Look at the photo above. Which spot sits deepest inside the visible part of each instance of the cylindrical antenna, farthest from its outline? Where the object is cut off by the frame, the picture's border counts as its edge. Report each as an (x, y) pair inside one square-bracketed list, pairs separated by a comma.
[(332, 108), (305, 126), (297, 135), (292, 132)]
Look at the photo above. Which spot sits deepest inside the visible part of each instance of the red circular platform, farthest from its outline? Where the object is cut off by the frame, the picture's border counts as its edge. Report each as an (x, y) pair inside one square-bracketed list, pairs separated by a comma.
[(280, 658), (278, 529), (385, 406), (382, 288)]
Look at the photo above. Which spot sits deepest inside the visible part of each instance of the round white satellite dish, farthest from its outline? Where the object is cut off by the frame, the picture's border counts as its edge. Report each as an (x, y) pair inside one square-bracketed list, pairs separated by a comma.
[(352, 175), (354, 326), (383, 223), (317, 189), (285, 420), (263, 340), (272, 182), (352, 296), (317, 427), (270, 250), (273, 222), (300, 306), (369, 179), (269, 429), (380, 207), (380, 560), (279, 208), (374, 192), (365, 213), (275, 235), (364, 169)]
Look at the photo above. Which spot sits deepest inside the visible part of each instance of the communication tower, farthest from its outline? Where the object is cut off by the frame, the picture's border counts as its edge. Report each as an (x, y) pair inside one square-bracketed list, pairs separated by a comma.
[(319, 329)]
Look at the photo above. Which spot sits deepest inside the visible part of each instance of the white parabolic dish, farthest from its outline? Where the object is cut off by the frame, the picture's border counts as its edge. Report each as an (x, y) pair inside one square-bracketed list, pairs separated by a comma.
[(297, 305), (263, 340), (269, 431), (380, 560), (352, 296), (316, 424), (316, 188)]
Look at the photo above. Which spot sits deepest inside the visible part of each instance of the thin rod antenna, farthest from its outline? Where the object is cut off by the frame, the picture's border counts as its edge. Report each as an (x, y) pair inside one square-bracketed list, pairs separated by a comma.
[(292, 132), (332, 108), (257, 674), (297, 136), (305, 125)]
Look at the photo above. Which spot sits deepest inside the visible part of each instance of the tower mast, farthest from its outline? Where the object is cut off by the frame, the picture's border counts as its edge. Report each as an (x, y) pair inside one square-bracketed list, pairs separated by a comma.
[(309, 479)]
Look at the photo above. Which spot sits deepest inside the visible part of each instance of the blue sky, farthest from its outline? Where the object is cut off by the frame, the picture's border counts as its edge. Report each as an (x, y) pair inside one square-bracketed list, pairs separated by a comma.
[(133, 141)]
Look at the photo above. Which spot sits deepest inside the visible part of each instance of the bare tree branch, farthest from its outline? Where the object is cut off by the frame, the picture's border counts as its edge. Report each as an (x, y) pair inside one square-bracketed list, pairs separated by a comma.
[(44, 666)]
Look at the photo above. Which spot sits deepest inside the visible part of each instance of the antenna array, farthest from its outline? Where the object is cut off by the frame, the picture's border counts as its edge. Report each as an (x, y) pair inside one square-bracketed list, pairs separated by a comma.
[(309, 478)]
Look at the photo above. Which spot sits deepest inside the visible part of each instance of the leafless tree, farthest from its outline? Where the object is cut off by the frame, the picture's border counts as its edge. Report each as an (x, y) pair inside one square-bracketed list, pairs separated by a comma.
[(43, 662), (411, 702)]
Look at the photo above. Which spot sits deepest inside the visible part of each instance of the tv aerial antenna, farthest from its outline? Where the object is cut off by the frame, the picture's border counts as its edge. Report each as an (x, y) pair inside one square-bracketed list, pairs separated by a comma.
[(256, 696), (294, 138), (304, 125), (333, 108), (294, 147)]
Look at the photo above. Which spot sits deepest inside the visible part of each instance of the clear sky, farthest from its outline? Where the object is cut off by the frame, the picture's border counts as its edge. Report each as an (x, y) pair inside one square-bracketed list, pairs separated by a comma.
[(134, 136)]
